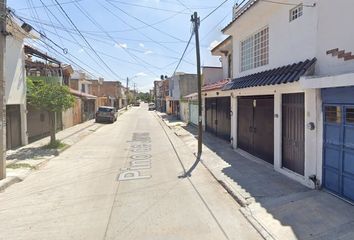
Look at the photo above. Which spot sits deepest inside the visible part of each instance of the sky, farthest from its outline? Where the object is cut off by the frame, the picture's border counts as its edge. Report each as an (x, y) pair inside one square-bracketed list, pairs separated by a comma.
[(116, 39)]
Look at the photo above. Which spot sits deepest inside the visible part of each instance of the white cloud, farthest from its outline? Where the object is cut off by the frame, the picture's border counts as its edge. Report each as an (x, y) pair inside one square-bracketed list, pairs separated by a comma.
[(148, 52), (141, 74), (213, 44), (142, 45), (121, 45), (81, 50)]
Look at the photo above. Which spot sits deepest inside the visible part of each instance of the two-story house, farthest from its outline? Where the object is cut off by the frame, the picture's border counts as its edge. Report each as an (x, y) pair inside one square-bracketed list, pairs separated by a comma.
[(292, 89), (273, 46)]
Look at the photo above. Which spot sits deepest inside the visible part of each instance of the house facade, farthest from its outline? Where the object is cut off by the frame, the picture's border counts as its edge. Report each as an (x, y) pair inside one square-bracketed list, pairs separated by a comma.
[(180, 85), (292, 88), (270, 109), (80, 86)]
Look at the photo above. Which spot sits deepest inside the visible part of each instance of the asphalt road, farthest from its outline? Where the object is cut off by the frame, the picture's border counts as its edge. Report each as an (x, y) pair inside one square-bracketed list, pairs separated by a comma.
[(121, 182)]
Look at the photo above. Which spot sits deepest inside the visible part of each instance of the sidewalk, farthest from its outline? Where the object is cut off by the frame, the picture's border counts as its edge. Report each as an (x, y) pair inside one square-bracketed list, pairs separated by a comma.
[(277, 206), (21, 161)]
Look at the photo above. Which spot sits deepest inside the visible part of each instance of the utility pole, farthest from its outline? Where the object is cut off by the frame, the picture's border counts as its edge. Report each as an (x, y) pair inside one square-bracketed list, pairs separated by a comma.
[(196, 22), (134, 93), (127, 95), (3, 13)]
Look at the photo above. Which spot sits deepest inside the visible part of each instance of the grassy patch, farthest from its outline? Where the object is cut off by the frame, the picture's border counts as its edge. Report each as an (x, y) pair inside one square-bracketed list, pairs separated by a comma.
[(56, 145), (20, 165)]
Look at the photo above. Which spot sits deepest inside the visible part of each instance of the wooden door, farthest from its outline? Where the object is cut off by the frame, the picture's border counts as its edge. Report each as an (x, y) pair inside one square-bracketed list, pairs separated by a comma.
[(223, 122), (293, 132), (245, 124), (13, 126), (263, 128), (210, 112)]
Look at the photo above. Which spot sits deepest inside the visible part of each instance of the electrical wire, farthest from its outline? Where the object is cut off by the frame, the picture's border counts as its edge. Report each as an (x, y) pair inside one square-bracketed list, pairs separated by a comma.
[(83, 37), (146, 24), (184, 52), (102, 29)]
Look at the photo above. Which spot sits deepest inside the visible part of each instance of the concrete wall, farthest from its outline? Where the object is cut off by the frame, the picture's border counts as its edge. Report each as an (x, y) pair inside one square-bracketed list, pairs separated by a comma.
[(72, 116), (212, 74), (184, 111), (289, 42), (334, 31), (313, 158)]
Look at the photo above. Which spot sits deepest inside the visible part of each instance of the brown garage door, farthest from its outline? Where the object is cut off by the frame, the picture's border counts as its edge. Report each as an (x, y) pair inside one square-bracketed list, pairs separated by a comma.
[(217, 116), (255, 128)]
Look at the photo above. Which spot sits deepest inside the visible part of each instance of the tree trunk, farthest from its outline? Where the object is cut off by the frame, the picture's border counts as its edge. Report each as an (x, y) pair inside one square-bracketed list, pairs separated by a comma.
[(52, 123)]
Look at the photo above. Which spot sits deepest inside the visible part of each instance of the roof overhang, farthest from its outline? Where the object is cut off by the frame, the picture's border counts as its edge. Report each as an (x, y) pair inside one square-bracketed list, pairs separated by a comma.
[(239, 12), (340, 80), (281, 75), (223, 48), (39, 54)]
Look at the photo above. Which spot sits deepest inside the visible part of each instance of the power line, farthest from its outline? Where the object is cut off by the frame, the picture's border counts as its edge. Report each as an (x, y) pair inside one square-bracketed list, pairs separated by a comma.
[(213, 10), (149, 7), (62, 3), (102, 29), (70, 34), (289, 4), (185, 49), (83, 37), (146, 24)]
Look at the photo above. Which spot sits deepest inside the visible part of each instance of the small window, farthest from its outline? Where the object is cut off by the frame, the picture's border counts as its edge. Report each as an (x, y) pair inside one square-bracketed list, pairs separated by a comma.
[(296, 12), (349, 115), (333, 114)]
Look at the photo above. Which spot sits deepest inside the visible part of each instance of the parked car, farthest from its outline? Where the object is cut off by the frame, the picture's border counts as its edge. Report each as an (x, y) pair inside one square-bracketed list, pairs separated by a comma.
[(151, 106), (136, 104), (105, 113)]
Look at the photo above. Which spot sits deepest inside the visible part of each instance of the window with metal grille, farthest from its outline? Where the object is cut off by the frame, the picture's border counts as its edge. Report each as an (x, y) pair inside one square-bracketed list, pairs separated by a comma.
[(255, 50), (296, 12)]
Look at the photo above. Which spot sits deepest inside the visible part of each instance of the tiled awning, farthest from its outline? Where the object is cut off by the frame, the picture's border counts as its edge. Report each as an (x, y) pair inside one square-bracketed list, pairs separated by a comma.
[(285, 74)]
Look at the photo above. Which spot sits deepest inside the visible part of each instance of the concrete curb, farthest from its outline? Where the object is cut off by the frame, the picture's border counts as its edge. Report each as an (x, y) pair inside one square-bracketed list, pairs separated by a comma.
[(10, 180), (7, 182), (236, 195)]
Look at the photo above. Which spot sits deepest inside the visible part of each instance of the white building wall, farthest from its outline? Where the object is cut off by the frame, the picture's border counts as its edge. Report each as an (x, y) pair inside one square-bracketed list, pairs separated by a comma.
[(15, 80), (289, 42), (335, 30)]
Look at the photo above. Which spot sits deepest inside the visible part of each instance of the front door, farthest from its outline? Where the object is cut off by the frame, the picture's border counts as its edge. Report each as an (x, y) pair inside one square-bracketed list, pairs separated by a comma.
[(13, 126), (293, 132), (210, 115), (338, 150), (255, 128)]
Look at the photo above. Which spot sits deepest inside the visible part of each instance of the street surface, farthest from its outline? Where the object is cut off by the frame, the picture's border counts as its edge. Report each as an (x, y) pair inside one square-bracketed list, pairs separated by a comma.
[(121, 182)]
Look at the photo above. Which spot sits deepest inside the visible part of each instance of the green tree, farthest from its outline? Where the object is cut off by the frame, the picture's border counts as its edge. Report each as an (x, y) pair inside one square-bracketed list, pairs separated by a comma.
[(51, 97)]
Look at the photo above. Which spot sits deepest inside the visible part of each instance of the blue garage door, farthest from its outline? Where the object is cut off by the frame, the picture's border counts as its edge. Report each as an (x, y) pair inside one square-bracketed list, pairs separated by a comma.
[(338, 153)]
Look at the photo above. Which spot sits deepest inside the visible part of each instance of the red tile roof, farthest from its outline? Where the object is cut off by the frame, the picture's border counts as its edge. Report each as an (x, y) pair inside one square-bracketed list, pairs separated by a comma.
[(215, 86)]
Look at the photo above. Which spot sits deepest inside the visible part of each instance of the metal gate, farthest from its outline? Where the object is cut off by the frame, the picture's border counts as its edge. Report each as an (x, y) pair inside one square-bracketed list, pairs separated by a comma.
[(338, 149), (255, 126), (293, 132), (217, 116)]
